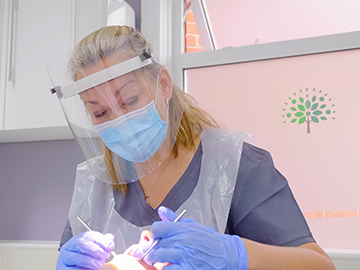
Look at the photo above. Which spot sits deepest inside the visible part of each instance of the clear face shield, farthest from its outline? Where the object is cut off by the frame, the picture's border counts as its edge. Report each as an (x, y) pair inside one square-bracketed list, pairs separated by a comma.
[(119, 108)]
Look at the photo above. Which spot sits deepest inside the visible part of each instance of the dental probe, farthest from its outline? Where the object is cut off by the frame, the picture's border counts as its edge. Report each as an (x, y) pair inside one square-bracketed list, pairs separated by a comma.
[(157, 240), (89, 229)]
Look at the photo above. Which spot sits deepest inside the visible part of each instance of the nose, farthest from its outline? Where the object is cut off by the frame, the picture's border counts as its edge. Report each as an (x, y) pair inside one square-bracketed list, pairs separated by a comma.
[(112, 104), (115, 110)]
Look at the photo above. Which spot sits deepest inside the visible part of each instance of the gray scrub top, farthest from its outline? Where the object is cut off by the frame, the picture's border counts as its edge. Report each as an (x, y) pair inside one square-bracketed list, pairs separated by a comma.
[(263, 208)]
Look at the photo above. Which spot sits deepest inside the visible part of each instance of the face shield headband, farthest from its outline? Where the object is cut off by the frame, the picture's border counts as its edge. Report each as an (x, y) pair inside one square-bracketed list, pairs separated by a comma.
[(103, 76)]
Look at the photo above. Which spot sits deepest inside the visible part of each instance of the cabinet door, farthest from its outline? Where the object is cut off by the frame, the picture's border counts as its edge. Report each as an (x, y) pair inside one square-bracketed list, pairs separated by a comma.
[(4, 18), (42, 31)]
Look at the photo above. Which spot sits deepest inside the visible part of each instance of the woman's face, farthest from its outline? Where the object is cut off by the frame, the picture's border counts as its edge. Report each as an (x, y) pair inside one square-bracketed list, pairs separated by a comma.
[(118, 96)]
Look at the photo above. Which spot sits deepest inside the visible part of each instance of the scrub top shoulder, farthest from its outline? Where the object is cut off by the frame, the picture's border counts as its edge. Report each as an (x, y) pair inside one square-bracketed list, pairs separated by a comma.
[(263, 207)]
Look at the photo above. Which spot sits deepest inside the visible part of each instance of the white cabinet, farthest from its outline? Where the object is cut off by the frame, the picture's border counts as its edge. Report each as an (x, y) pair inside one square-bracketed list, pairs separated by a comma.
[(32, 34)]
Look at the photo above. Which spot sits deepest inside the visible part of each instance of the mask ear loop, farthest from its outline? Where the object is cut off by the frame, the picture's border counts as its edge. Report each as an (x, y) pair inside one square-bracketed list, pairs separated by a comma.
[(167, 113), (157, 88), (167, 100)]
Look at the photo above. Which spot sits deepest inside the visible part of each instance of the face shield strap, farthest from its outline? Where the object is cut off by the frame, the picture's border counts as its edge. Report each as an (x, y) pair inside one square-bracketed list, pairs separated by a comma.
[(103, 76), (157, 89), (155, 100)]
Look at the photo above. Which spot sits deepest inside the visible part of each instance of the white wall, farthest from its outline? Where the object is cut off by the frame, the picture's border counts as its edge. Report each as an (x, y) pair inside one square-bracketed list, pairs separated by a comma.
[(18, 255)]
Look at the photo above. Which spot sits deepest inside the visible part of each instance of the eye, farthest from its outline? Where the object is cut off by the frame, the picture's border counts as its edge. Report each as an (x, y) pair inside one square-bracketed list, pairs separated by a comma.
[(131, 101), (100, 114)]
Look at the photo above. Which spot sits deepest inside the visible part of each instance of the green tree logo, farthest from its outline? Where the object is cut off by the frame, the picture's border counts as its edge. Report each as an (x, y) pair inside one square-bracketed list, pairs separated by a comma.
[(307, 107)]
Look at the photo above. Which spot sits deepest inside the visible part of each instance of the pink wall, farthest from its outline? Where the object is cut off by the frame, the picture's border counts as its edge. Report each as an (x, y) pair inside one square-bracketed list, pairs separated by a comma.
[(239, 23), (321, 166)]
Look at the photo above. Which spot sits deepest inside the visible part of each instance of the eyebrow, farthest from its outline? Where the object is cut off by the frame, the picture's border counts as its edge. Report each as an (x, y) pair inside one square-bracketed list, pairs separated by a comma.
[(95, 102)]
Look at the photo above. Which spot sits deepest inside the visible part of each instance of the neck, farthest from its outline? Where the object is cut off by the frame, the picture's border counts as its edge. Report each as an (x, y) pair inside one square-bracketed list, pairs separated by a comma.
[(158, 184)]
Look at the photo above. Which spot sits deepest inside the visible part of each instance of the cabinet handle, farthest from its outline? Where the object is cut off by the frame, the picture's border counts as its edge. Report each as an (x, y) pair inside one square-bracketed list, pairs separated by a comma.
[(14, 15)]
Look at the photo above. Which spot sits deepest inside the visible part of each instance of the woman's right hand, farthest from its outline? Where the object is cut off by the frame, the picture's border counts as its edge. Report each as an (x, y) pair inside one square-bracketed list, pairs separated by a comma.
[(88, 250)]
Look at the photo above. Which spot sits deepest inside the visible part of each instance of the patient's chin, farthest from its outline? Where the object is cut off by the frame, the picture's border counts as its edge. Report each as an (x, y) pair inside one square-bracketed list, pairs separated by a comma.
[(127, 262)]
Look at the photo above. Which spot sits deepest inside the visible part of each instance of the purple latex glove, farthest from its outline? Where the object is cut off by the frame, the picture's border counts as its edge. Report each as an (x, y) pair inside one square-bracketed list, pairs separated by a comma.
[(167, 214), (88, 250), (190, 245)]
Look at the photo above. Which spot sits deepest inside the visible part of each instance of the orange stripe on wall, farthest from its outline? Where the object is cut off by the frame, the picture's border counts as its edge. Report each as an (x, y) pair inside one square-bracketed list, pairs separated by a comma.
[(314, 214), (331, 214), (341, 214)]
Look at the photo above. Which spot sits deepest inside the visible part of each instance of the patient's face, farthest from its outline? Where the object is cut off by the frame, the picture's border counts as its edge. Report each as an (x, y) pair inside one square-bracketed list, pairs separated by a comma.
[(127, 262)]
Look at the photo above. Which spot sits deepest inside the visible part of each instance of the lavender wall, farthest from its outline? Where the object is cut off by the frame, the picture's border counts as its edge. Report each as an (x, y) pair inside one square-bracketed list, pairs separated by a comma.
[(36, 183)]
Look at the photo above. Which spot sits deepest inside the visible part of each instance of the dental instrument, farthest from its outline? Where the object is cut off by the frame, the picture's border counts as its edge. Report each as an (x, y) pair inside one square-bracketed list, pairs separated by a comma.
[(89, 229), (157, 240)]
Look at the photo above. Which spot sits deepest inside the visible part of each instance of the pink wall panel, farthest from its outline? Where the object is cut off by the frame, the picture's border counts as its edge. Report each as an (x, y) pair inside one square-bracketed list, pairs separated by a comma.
[(322, 166), (269, 21)]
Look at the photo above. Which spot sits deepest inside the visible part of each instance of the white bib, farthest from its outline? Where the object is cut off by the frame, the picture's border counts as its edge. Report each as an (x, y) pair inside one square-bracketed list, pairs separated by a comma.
[(209, 204)]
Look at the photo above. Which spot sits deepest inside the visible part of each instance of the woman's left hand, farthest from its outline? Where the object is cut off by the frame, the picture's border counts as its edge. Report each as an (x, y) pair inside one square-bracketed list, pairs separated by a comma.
[(190, 245)]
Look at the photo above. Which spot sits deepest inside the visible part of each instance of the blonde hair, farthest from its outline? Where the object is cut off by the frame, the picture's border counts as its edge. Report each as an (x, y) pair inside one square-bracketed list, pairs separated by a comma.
[(99, 45)]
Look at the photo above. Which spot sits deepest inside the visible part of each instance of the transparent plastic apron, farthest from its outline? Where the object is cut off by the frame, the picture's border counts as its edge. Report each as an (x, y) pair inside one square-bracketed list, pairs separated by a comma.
[(209, 203)]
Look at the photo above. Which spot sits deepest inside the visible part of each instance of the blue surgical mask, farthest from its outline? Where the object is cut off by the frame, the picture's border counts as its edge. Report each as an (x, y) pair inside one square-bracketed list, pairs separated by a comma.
[(135, 136)]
